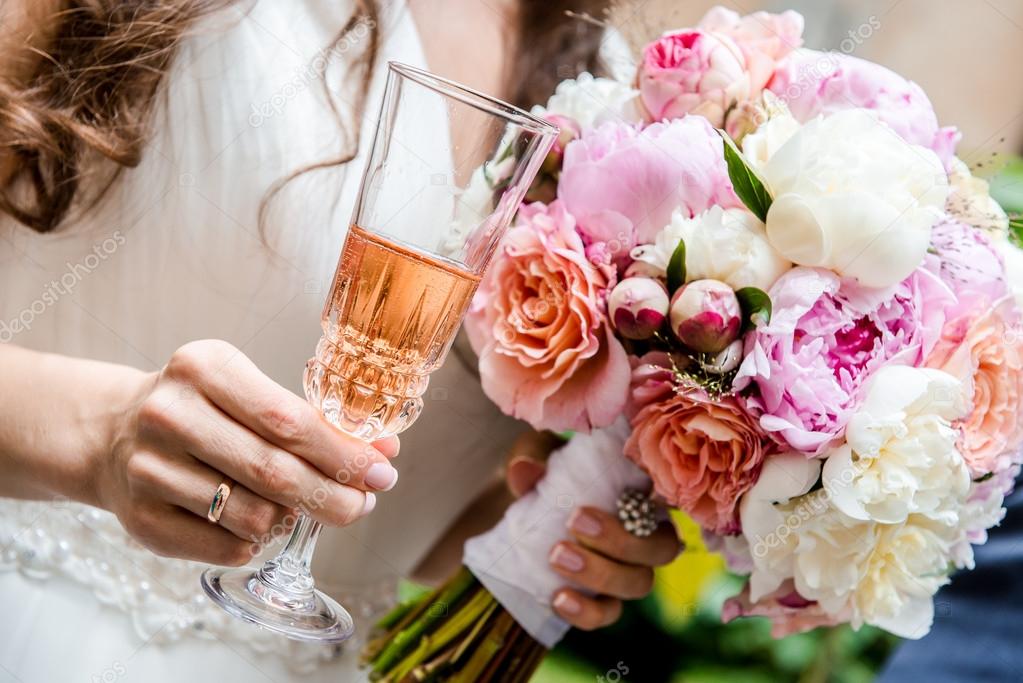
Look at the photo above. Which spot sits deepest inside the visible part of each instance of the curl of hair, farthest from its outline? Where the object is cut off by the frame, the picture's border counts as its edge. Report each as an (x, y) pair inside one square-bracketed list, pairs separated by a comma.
[(77, 111)]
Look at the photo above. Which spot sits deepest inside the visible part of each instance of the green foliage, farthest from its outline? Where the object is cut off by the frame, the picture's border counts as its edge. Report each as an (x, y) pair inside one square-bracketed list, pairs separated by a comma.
[(660, 647), (756, 307), (747, 184), (677, 268)]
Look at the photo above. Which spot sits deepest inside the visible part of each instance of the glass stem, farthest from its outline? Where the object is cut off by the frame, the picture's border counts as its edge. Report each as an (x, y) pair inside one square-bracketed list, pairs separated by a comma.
[(290, 570)]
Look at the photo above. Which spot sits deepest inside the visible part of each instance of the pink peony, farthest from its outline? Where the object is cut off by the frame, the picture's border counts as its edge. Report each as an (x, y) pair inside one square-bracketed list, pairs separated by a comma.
[(814, 83), (788, 611), (623, 183), (970, 266), (764, 39), (702, 455), (693, 72), (547, 353), (982, 348), (825, 340)]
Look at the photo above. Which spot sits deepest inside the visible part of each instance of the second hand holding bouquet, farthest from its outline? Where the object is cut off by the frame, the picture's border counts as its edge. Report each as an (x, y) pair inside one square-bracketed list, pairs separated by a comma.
[(762, 276)]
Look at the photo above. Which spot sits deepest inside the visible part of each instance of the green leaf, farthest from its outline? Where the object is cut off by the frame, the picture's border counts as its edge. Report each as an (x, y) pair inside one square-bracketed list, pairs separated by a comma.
[(747, 184), (756, 307), (677, 268), (1016, 231)]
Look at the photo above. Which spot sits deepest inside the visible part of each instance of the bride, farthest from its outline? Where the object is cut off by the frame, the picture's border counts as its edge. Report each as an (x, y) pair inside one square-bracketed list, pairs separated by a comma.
[(181, 170)]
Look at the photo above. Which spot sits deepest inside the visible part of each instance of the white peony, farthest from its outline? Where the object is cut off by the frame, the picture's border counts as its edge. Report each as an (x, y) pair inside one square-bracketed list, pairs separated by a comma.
[(852, 196), (900, 456), (772, 513), (592, 101), (729, 245), (1013, 258), (759, 146), (884, 575), (857, 571), (970, 201)]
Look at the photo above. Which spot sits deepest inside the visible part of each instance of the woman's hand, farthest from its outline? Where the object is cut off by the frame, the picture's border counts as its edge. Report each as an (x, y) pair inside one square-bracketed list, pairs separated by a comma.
[(209, 415), (603, 557)]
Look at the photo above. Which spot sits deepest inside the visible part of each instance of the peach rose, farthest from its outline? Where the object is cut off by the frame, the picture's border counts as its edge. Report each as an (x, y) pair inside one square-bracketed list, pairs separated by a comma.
[(702, 455), (538, 323), (984, 352)]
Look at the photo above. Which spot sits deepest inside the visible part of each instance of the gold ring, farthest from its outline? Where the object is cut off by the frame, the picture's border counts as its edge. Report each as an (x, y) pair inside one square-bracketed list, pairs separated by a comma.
[(219, 501)]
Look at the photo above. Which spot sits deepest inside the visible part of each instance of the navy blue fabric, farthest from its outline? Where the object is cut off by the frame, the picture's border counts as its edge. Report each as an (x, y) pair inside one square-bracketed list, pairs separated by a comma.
[(978, 624)]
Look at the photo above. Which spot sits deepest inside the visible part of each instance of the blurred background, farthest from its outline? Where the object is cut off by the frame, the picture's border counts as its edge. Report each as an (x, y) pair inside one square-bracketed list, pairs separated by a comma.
[(964, 55)]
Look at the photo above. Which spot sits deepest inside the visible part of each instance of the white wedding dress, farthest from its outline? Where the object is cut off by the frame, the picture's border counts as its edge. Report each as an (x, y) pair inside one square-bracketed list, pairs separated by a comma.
[(174, 254)]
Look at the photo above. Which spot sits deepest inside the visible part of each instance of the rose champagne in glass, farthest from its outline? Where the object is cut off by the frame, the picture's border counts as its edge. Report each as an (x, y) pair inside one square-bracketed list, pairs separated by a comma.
[(429, 215)]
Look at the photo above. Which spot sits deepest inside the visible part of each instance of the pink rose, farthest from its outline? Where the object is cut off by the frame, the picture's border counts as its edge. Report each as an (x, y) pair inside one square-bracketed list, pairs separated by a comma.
[(825, 339), (702, 455), (765, 39), (547, 354), (814, 83), (693, 72), (622, 182), (788, 611), (982, 348)]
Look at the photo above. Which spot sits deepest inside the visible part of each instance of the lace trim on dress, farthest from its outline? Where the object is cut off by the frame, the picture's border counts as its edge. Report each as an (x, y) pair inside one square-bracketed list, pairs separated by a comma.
[(44, 540)]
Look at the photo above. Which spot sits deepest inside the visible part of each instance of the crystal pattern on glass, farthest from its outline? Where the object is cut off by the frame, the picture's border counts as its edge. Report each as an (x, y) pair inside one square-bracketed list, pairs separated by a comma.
[(391, 315)]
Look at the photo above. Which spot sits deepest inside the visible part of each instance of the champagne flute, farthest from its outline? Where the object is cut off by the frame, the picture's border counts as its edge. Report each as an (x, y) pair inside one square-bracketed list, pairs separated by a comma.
[(427, 219)]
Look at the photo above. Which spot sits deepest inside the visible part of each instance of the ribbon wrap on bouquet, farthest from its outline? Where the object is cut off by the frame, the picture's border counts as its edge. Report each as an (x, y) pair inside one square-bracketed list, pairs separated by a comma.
[(511, 559)]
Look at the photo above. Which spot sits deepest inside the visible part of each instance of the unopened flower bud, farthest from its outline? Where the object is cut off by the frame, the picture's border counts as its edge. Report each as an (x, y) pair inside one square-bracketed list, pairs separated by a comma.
[(638, 307), (705, 315)]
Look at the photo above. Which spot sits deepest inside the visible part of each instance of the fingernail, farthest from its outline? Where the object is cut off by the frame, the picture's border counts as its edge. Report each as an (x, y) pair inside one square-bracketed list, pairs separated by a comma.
[(371, 502), (567, 559), (585, 524), (381, 476), (566, 604)]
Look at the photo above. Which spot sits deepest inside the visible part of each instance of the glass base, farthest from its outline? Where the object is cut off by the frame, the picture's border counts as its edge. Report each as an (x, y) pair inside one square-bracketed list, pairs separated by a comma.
[(306, 615)]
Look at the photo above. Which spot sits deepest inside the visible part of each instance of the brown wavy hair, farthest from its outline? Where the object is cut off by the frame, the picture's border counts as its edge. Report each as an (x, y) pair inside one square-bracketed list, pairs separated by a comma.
[(78, 84)]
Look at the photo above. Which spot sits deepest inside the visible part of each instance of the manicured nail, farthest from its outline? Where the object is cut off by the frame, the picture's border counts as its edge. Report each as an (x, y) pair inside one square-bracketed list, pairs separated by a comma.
[(371, 502), (566, 604), (567, 559), (381, 476), (584, 524)]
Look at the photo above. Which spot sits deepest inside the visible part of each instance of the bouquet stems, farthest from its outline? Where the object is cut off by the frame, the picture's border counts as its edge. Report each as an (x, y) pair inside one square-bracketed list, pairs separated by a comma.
[(457, 634)]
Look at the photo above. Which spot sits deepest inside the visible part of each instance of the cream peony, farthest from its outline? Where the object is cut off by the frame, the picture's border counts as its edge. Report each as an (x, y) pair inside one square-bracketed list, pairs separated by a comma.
[(1013, 258), (885, 575), (900, 455), (858, 571), (970, 201), (592, 101), (729, 245), (853, 197), (778, 128)]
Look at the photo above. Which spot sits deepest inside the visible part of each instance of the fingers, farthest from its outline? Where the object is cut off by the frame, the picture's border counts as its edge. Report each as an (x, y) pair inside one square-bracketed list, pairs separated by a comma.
[(191, 485), (526, 460), (522, 475), (236, 386), (584, 612), (602, 532), (200, 429), (170, 531), (587, 569)]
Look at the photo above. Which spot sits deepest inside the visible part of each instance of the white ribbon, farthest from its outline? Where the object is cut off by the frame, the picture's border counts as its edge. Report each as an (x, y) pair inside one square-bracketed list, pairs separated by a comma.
[(511, 560)]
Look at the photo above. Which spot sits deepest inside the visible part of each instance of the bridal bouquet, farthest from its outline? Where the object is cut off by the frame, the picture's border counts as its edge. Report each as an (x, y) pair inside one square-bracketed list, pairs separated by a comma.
[(757, 280)]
